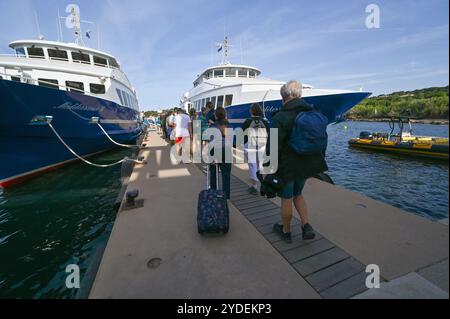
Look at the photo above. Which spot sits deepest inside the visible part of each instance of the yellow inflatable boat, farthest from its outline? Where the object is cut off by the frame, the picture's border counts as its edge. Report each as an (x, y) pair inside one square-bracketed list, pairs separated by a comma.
[(403, 143)]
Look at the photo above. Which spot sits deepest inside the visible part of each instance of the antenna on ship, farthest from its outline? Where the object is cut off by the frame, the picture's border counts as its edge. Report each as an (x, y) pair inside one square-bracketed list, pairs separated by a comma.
[(60, 33), (224, 48), (40, 36), (73, 21)]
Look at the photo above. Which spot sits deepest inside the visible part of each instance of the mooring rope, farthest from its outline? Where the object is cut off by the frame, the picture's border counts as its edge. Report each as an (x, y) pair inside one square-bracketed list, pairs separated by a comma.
[(114, 142), (86, 161)]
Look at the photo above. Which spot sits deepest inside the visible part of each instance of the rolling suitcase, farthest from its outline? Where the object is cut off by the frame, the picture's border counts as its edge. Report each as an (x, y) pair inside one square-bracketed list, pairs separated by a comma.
[(212, 210)]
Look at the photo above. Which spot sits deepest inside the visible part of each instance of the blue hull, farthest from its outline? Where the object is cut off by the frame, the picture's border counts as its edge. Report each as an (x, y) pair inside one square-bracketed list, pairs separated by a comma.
[(333, 106), (28, 149)]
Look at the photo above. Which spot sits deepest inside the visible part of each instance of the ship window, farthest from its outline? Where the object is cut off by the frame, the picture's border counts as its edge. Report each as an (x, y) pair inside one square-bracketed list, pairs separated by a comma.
[(79, 57), (242, 73), (57, 55), (218, 73), (252, 74), (113, 63), (119, 93), (97, 88), (48, 83), (20, 52), (37, 53), (75, 86), (228, 100), (230, 73), (220, 101), (130, 99), (127, 99), (100, 61), (213, 101), (15, 79)]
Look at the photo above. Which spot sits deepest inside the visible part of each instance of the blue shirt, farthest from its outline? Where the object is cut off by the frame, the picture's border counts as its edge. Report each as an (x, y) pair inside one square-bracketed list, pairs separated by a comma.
[(210, 117)]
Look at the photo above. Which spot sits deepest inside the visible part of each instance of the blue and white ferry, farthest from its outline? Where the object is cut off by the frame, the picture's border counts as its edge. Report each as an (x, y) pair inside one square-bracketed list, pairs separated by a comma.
[(236, 87), (69, 83)]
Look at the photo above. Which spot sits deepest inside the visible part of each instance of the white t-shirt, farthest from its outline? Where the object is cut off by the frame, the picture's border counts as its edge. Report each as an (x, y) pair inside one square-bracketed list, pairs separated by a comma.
[(182, 125), (170, 120)]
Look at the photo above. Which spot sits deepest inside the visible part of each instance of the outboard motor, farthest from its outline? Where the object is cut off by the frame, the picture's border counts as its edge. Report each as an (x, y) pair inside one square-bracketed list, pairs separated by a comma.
[(366, 135)]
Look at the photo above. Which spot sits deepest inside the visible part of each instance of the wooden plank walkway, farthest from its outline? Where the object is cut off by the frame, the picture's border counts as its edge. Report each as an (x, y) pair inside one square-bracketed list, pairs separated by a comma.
[(331, 271)]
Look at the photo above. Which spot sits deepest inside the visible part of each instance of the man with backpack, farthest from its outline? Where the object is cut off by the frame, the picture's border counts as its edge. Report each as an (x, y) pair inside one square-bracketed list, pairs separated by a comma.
[(257, 129), (302, 143)]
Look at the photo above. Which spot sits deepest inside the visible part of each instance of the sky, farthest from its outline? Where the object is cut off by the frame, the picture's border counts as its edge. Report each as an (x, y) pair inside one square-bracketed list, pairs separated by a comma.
[(162, 45)]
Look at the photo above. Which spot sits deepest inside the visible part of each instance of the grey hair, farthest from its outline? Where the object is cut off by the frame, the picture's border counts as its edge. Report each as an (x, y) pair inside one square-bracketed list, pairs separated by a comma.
[(291, 90)]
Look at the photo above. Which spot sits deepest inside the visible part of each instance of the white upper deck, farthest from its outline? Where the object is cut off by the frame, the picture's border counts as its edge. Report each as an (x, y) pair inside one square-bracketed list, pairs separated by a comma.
[(63, 52), (228, 71)]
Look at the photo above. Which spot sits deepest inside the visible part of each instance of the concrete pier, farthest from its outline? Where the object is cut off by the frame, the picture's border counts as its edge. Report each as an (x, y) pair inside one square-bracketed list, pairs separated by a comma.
[(155, 251)]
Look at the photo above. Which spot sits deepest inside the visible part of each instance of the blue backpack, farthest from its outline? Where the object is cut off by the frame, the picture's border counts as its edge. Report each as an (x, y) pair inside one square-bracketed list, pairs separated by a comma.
[(309, 133)]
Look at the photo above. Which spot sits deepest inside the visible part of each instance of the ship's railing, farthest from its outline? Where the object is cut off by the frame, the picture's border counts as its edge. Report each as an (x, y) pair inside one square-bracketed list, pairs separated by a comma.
[(30, 80), (76, 62)]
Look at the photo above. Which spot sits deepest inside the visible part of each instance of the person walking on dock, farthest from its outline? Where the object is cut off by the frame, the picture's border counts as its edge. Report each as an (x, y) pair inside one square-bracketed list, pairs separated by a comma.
[(183, 130), (210, 113), (221, 123), (170, 127), (163, 125), (193, 117), (293, 168), (203, 124), (257, 129)]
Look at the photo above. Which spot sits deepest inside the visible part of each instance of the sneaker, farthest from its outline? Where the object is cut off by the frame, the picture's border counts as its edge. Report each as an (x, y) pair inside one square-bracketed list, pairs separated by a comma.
[(308, 232), (278, 229), (252, 190)]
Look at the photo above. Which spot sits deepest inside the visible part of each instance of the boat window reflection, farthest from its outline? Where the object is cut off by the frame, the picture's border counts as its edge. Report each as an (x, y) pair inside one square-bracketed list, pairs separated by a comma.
[(119, 93), (220, 101), (218, 73), (97, 88), (49, 83), (230, 73), (228, 100), (36, 53), (75, 86), (242, 73), (80, 57), (100, 61), (57, 55), (20, 52)]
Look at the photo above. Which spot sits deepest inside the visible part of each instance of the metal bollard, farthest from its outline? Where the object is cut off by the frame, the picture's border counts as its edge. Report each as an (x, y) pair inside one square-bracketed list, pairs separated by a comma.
[(131, 200), (131, 196)]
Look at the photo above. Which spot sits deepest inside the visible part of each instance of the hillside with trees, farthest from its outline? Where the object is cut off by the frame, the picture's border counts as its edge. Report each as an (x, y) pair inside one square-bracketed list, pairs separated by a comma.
[(429, 103)]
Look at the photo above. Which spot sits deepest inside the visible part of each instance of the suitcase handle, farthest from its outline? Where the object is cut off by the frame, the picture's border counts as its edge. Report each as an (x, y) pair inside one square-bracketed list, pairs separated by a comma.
[(208, 186)]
